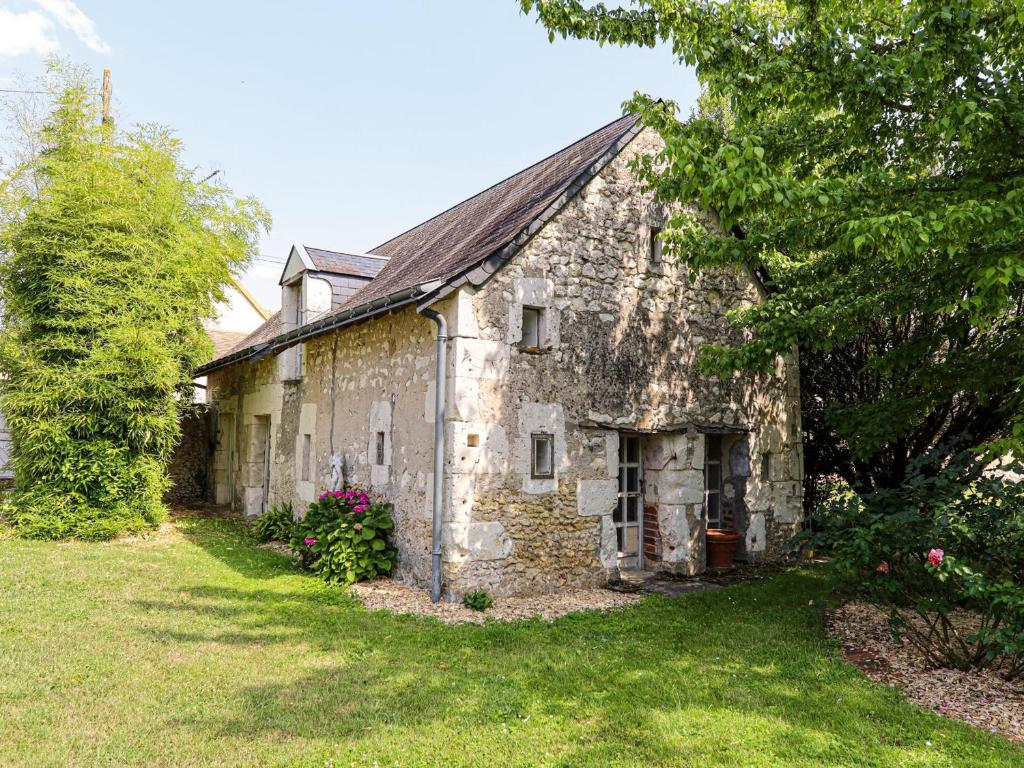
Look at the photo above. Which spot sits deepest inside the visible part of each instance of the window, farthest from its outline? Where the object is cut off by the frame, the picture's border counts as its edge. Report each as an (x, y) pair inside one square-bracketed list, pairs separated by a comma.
[(766, 467), (713, 479), (656, 244), (380, 448), (542, 456), (307, 451), (534, 333)]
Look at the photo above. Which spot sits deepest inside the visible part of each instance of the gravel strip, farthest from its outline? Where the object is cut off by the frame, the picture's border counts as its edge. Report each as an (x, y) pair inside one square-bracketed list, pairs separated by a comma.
[(394, 596), (981, 698)]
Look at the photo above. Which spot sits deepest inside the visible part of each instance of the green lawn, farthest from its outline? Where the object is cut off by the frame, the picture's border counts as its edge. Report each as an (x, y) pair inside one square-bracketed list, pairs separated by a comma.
[(201, 650)]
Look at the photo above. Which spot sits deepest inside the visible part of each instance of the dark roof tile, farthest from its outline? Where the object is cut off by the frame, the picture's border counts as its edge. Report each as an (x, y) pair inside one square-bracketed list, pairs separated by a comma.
[(356, 264), (464, 235)]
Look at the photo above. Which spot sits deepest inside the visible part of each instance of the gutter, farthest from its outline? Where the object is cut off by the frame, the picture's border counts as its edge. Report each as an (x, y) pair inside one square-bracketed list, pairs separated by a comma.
[(440, 391), (326, 324)]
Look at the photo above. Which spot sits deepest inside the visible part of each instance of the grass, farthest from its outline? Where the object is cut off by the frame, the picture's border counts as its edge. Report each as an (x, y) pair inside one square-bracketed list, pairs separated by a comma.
[(198, 649)]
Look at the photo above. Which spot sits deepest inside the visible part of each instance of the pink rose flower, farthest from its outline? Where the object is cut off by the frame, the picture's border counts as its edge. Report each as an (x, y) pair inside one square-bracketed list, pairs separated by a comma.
[(338, 494), (935, 557), (360, 508), (364, 499), (883, 567), (324, 495), (309, 541)]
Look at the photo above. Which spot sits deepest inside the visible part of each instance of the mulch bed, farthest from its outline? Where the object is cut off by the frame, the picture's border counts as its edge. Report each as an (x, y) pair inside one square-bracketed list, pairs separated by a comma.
[(397, 597), (981, 698)]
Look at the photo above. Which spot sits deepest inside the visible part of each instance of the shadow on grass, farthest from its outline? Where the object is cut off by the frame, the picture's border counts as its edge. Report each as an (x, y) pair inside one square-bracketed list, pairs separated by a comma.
[(708, 677)]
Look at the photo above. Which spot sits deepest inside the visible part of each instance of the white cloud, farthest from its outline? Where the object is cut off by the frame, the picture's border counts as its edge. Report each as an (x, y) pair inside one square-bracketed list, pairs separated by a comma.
[(69, 15), (28, 32)]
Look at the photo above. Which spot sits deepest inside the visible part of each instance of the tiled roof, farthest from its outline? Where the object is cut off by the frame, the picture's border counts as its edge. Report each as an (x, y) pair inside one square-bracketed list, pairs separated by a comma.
[(225, 341), (464, 235), (339, 263), (266, 332)]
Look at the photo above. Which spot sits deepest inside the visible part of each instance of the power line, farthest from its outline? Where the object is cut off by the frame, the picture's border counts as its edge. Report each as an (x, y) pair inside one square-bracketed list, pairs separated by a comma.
[(15, 90)]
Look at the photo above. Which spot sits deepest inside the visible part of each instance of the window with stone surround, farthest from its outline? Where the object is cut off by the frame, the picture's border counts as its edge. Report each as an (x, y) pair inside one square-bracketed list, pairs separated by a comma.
[(542, 456), (380, 449), (534, 334)]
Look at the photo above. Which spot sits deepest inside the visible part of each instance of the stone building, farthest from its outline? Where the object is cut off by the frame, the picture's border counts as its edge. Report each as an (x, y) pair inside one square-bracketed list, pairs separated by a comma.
[(580, 435)]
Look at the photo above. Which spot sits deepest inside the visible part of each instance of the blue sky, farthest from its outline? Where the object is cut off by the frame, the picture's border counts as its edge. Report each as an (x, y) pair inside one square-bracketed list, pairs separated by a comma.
[(351, 121)]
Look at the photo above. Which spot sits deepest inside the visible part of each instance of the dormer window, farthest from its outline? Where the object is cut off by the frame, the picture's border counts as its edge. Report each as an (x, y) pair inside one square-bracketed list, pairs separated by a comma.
[(534, 335)]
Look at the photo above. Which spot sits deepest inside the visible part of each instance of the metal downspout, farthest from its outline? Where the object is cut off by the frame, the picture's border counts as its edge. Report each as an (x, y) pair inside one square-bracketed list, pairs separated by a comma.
[(440, 388)]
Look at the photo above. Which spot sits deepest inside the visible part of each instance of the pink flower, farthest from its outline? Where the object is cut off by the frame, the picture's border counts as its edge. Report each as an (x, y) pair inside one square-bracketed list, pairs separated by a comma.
[(338, 494), (935, 557), (309, 541), (364, 499), (324, 495), (360, 508), (883, 567), (350, 493)]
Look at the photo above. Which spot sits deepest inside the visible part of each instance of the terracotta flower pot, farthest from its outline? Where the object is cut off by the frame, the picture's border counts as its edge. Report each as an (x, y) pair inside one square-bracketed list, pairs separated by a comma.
[(722, 545)]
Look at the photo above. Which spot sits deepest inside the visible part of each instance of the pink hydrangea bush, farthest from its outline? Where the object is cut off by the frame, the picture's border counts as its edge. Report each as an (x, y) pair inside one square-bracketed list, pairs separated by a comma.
[(345, 537)]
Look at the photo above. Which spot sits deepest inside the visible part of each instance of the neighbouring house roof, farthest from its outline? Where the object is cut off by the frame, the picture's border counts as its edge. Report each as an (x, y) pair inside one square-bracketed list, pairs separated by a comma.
[(356, 264), (263, 334), (466, 243), (225, 342)]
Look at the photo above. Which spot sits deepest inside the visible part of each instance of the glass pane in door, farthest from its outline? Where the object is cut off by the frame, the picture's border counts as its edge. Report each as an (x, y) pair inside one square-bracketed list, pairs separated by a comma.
[(628, 515)]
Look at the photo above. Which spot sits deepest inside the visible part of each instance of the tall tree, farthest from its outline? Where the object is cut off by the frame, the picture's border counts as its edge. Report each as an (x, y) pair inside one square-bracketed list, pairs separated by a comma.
[(114, 255), (873, 169)]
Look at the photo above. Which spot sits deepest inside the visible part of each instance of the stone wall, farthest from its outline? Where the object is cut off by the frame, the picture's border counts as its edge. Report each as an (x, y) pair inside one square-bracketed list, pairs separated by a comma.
[(376, 376), (620, 355), (190, 464)]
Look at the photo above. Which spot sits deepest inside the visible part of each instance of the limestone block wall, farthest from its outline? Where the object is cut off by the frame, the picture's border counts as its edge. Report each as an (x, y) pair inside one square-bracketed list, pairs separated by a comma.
[(370, 378), (619, 352)]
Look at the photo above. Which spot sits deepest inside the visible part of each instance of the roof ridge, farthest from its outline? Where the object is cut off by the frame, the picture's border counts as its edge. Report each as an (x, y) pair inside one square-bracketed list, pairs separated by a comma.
[(346, 253), (632, 115)]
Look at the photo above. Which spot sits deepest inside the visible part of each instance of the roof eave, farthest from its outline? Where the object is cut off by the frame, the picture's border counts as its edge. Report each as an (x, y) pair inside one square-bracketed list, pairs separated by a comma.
[(327, 324), (481, 272)]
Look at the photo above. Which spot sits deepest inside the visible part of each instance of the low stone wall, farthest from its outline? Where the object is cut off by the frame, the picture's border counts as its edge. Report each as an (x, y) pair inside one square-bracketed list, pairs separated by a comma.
[(190, 464)]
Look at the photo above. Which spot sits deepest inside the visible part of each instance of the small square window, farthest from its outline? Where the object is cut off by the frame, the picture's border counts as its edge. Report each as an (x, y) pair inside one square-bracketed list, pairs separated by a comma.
[(534, 333), (307, 457), (380, 448), (542, 451), (656, 245)]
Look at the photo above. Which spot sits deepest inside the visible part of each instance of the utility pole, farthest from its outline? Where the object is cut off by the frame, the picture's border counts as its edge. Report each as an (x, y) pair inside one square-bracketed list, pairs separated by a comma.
[(106, 97)]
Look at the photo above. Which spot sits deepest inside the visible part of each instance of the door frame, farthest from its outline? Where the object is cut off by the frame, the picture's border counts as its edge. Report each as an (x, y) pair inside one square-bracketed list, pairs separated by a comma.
[(624, 494)]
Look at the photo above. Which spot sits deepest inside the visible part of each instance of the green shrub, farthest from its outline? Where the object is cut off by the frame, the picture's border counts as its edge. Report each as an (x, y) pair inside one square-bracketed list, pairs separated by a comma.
[(949, 540), (478, 600), (275, 524), (345, 538), (115, 252)]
